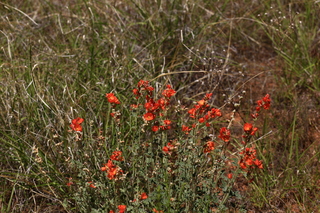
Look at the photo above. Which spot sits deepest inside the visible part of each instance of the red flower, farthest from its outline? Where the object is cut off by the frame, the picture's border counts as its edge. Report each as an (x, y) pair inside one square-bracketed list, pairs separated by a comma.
[(143, 83), (215, 112), (168, 92), (143, 196), (186, 129), (91, 184), (112, 173), (111, 211), (202, 102), (249, 159), (208, 96), (167, 122), (117, 156), (247, 127), (254, 115), (229, 175), (155, 128), (111, 169), (148, 106), (76, 124), (70, 182), (209, 147), (167, 149), (122, 208), (258, 163), (254, 131), (201, 120), (112, 98), (136, 92), (149, 116), (224, 134), (266, 101), (156, 211), (134, 106), (192, 112)]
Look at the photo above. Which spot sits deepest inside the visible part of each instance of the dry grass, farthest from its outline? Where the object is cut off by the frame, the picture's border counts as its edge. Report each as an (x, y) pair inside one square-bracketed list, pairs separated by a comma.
[(58, 58)]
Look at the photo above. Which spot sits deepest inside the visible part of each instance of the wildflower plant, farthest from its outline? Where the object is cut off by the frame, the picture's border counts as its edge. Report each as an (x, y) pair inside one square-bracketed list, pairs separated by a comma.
[(159, 156)]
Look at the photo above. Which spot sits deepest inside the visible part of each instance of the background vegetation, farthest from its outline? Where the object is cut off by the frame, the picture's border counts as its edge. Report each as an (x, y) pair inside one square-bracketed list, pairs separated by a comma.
[(58, 59)]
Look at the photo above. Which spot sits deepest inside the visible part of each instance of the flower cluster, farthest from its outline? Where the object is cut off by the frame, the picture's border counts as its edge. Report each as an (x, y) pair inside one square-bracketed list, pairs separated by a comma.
[(167, 93), (112, 170), (121, 208), (155, 112), (209, 146), (170, 147), (154, 107), (202, 112), (91, 185), (112, 98), (76, 124), (165, 126), (264, 103), (249, 159), (117, 156), (142, 196), (187, 129), (157, 211), (225, 134), (249, 129)]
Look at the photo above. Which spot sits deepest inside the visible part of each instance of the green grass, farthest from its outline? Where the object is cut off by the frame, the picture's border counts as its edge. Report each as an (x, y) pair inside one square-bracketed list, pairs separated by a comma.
[(58, 60)]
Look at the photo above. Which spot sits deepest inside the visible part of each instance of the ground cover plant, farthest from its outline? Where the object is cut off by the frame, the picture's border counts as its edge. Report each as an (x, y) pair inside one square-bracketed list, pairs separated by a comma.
[(159, 106)]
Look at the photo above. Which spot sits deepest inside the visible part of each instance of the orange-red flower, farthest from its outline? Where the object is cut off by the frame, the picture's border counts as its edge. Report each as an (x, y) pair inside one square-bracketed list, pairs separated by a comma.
[(76, 124), (229, 175), (69, 182), (149, 116), (155, 128), (143, 196), (249, 159), (209, 147), (122, 208), (143, 83), (258, 163), (156, 211), (136, 92), (117, 156), (167, 149), (112, 98), (202, 102), (247, 127), (91, 184), (208, 96), (134, 106), (168, 92), (264, 102), (224, 134), (111, 169), (186, 129), (167, 122)]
